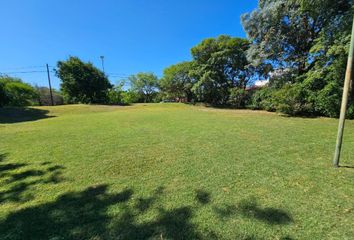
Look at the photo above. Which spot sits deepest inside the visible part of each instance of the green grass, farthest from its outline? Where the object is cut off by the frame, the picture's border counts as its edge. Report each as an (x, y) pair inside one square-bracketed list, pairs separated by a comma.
[(172, 171)]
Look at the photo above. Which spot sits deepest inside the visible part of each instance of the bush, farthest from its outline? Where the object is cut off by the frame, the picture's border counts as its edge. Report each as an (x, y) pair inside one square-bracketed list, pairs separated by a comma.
[(129, 97), (238, 97), (261, 99), (14, 92), (292, 99), (115, 96)]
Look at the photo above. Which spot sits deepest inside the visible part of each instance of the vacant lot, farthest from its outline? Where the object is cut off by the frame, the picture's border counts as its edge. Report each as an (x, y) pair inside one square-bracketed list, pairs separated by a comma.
[(171, 171)]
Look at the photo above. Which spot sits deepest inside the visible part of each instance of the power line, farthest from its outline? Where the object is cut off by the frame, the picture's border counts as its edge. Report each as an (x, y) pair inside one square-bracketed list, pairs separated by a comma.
[(23, 72), (21, 68)]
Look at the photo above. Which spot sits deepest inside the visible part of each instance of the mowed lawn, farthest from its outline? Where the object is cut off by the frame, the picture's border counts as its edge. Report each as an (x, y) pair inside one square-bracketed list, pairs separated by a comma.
[(172, 171)]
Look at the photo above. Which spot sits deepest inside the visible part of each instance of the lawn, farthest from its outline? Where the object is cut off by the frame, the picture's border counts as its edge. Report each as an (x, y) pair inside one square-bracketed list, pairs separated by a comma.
[(172, 171)]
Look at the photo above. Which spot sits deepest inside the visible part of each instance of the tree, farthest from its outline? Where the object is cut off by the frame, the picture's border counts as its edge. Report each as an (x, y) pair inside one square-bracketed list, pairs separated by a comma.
[(82, 82), (144, 84), (115, 94), (14, 92), (307, 39), (220, 65), (177, 81), (284, 32)]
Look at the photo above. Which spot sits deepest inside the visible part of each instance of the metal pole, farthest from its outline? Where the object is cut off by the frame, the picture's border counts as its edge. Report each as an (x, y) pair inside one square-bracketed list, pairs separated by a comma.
[(102, 59), (50, 86), (343, 110)]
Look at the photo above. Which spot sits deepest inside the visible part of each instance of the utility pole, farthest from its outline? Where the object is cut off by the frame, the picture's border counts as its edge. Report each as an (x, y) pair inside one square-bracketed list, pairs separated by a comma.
[(50, 86), (102, 60), (343, 109)]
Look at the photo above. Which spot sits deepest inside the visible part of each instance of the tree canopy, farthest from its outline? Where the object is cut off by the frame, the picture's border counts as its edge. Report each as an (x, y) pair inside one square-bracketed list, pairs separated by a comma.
[(306, 41), (177, 81), (144, 84), (82, 82), (220, 65)]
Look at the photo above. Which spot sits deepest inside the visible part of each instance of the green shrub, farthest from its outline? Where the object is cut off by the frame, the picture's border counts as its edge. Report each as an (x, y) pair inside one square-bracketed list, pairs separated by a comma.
[(115, 95), (238, 97), (14, 92), (261, 99), (129, 97), (293, 99)]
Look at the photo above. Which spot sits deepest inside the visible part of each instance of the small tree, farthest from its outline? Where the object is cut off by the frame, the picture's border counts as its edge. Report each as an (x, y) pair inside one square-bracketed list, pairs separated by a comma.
[(145, 84), (82, 82), (115, 95)]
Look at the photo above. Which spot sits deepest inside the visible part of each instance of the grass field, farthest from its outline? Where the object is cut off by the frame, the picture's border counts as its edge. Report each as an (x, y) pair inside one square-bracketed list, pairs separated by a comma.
[(172, 171)]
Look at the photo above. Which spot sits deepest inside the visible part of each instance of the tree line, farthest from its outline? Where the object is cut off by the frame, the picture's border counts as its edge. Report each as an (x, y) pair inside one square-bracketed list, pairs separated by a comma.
[(300, 46)]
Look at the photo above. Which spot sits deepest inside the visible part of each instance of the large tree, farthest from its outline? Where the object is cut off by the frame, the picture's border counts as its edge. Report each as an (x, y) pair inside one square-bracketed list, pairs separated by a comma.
[(82, 82), (309, 41), (220, 65), (144, 84), (177, 81), (283, 32)]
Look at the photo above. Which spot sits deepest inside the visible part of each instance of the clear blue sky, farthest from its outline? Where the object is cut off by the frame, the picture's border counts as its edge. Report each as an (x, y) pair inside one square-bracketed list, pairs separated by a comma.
[(133, 35)]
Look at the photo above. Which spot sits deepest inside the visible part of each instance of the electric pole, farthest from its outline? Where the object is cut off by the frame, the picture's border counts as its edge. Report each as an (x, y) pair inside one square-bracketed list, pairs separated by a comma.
[(343, 109), (50, 86), (102, 60)]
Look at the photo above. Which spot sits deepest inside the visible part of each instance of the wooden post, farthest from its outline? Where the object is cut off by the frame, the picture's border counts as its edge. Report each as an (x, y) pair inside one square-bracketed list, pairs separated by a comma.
[(50, 86), (343, 110)]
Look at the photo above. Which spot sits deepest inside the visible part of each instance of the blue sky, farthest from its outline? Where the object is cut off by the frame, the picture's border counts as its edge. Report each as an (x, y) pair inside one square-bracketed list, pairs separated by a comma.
[(133, 35)]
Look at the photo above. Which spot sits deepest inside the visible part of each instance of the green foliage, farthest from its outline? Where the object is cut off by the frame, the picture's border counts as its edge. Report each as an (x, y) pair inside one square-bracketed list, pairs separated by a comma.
[(14, 92), (238, 97), (307, 42), (292, 99), (130, 96), (115, 95), (82, 82), (145, 85), (177, 81), (220, 65), (261, 99)]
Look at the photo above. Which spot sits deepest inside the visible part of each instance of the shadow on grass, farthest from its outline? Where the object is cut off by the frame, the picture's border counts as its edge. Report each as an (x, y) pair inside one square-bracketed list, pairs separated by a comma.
[(271, 216), (202, 196), (251, 209), (97, 213), (17, 114), (83, 215), (18, 180), (345, 166)]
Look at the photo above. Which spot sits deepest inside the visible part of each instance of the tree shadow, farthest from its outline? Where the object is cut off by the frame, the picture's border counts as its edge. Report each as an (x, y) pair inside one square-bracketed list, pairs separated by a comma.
[(84, 215), (144, 204), (74, 215), (18, 180), (251, 209), (96, 213), (17, 114), (271, 216), (202, 196)]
